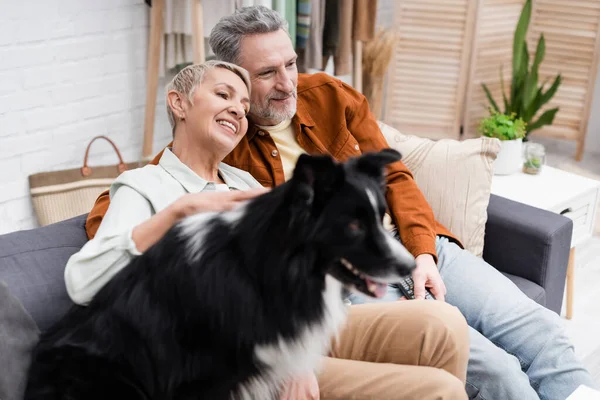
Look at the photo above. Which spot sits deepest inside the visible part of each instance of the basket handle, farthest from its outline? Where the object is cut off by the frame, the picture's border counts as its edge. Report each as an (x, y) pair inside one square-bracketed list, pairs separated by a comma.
[(87, 171)]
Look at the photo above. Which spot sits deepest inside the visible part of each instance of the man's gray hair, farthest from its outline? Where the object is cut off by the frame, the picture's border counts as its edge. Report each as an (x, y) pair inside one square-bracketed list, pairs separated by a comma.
[(226, 37), (188, 79)]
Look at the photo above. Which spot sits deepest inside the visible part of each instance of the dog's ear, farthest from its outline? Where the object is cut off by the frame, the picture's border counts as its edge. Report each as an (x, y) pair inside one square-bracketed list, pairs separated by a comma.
[(372, 164), (316, 176), (316, 170)]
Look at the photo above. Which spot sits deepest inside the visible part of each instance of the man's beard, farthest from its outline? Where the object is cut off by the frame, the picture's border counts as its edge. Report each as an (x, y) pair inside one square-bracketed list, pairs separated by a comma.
[(265, 111)]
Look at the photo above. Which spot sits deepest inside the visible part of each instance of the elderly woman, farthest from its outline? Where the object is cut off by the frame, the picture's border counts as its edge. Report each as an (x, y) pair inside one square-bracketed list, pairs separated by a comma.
[(207, 106)]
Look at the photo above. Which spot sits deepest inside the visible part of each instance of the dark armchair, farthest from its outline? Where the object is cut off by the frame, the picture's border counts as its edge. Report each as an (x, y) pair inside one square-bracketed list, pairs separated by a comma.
[(531, 246)]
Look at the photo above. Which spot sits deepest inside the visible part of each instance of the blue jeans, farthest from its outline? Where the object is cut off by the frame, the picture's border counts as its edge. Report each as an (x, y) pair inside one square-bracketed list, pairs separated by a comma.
[(519, 349)]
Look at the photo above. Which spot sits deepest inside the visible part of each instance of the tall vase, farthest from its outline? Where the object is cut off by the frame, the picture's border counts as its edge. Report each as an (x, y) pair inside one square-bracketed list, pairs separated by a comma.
[(510, 157)]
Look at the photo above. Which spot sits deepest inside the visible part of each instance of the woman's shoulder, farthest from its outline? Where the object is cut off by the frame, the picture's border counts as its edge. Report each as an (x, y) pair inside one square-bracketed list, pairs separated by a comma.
[(146, 173), (141, 179)]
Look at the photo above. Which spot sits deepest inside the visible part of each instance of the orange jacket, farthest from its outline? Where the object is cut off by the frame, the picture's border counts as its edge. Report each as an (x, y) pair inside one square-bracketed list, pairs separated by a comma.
[(331, 118)]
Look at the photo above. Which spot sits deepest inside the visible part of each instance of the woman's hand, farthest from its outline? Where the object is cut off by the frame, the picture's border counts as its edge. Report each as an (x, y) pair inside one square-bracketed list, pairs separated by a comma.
[(149, 232), (303, 388), (194, 203)]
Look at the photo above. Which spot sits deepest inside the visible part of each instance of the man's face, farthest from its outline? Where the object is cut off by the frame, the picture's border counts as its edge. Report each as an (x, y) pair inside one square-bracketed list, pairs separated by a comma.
[(271, 61)]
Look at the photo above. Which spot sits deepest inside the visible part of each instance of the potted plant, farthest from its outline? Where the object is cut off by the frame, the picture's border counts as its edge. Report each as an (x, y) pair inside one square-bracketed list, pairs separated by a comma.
[(526, 96), (510, 130)]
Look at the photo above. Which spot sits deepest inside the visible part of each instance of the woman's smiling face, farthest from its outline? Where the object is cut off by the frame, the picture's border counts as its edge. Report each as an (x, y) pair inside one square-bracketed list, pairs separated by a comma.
[(217, 117)]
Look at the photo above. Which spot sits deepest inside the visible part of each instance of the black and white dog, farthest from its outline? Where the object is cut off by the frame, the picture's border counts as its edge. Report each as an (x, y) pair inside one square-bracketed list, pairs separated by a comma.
[(231, 305)]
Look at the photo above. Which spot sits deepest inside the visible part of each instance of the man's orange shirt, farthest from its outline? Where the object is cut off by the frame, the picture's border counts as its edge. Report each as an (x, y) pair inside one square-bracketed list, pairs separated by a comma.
[(331, 118)]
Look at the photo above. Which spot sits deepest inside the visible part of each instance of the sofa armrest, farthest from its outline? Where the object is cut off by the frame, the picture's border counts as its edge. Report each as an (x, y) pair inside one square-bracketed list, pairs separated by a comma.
[(531, 243)]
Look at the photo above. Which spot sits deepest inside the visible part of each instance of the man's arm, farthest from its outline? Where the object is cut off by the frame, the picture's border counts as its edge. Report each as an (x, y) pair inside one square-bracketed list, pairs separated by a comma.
[(410, 211), (94, 218)]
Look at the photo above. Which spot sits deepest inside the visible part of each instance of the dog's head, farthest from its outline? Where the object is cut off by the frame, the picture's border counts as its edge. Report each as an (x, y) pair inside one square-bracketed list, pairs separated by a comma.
[(345, 204)]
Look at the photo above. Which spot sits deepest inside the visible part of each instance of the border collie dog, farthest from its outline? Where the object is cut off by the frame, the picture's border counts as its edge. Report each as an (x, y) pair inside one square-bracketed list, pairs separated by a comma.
[(231, 305)]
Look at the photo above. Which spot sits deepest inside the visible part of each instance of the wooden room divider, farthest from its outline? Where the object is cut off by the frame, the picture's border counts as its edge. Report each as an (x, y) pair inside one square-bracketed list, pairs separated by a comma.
[(428, 73), (447, 48), (572, 32)]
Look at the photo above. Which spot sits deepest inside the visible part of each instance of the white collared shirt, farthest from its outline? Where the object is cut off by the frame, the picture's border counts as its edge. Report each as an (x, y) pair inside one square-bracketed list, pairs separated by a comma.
[(135, 196)]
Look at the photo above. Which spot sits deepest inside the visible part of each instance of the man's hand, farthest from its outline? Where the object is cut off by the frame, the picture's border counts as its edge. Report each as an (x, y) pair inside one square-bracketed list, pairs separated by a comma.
[(303, 388), (427, 275)]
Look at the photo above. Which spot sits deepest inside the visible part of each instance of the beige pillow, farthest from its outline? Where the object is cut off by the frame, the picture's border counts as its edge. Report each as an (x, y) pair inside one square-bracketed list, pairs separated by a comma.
[(455, 177)]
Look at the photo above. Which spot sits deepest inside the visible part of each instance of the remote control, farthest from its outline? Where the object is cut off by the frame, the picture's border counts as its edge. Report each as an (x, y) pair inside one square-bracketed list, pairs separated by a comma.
[(407, 286)]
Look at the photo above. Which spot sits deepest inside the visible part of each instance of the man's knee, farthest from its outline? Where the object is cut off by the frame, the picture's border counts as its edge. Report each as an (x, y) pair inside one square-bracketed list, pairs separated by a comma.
[(494, 373), (502, 368)]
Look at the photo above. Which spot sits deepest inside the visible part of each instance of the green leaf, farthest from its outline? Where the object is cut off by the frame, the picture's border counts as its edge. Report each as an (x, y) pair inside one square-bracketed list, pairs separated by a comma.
[(529, 92), (525, 78), (532, 79), (540, 52), (502, 126), (519, 40), (532, 109), (541, 99), (551, 92), (545, 119), (490, 98), (519, 82), (506, 105), (536, 104), (510, 133)]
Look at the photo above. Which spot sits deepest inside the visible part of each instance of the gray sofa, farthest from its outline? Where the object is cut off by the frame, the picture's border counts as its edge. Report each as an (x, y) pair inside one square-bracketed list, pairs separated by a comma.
[(529, 245)]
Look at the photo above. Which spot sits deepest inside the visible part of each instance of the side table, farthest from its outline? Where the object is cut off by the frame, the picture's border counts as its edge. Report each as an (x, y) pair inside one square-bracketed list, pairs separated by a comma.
[(561, 192)]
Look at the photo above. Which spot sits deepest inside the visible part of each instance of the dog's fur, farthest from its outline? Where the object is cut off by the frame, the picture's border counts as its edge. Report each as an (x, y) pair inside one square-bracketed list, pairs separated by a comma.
[(231, 305)]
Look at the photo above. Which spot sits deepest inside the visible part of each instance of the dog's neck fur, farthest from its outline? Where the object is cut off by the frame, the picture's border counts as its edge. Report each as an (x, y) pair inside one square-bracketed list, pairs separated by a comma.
[(314, 308), (297, 356), (282, 265)]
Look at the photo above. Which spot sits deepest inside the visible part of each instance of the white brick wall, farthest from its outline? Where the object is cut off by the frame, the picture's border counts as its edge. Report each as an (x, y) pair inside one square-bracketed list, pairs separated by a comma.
[(69, 70)]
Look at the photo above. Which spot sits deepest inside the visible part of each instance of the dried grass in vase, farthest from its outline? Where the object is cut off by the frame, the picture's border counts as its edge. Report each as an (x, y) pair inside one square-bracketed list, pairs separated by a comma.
[(377, 54)]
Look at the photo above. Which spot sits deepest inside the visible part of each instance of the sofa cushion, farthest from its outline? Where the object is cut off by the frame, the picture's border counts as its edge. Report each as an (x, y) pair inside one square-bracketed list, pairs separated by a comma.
[(32, 265), (455, 177), (18, 336)]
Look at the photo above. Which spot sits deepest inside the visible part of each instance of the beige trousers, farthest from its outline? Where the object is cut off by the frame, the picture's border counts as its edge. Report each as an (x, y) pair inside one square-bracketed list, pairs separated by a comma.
[(415, 349)]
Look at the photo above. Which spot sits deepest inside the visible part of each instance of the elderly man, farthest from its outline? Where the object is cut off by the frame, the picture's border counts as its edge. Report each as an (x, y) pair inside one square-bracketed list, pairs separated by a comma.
[(518, 349)]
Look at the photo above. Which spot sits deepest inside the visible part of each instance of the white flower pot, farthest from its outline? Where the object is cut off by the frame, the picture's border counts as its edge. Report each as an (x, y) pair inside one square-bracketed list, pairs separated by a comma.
[(510, 157)]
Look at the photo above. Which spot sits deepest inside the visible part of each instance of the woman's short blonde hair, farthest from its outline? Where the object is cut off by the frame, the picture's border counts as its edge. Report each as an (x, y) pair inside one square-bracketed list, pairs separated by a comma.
[(188, 79)]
